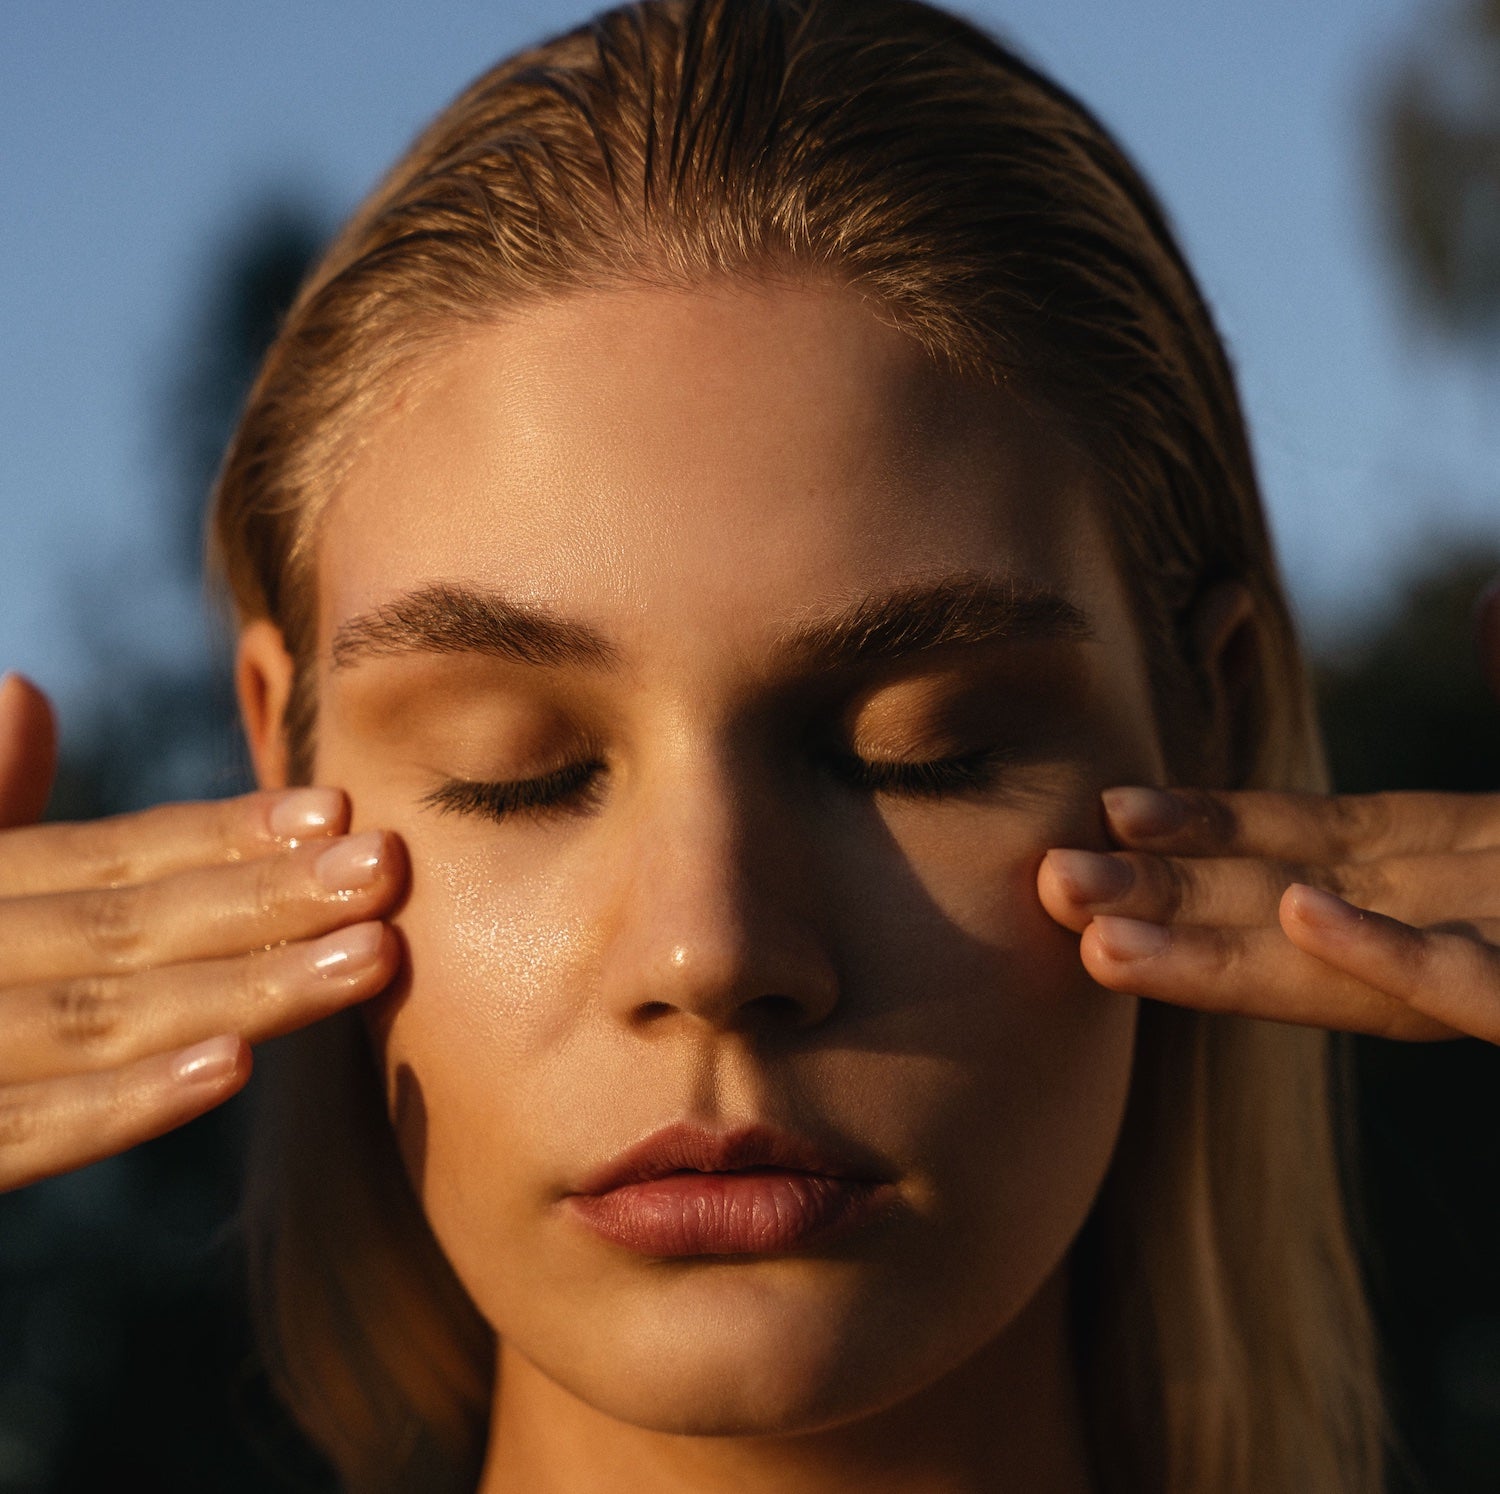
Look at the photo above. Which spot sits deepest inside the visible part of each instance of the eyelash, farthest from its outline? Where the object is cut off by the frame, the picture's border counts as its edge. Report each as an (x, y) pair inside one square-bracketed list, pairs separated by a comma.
[(578, 783)]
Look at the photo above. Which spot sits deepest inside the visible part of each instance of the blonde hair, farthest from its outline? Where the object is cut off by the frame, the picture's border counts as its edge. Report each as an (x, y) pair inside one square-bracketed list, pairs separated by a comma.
[(1221, 1329)]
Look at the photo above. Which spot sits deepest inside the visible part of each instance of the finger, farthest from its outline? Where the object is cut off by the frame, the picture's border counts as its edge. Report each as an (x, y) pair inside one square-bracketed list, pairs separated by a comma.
[(28, 751), (1450, 976), (154, 843), (1246, 972), (200, 915), (62, 1124), (95, 1022), (1077, 886), (1245, 891), (1487, 634), (1308, 828)]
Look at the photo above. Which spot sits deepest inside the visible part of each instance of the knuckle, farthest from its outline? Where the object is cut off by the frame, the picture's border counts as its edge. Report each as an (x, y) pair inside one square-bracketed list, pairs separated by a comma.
[(1280, 875), (268, 886), (260, 985), (84, 1013), (1358, 882), (18, 1123), (1363, 821), (1368, 884), (109, 855), (1174, 885), (111, 925), (1337, 878), (1418, 952), (1221, 955), (1219, 818)]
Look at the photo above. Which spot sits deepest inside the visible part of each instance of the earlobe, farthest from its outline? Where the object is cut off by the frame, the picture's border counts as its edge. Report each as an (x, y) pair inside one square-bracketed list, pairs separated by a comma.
[(263, 676)]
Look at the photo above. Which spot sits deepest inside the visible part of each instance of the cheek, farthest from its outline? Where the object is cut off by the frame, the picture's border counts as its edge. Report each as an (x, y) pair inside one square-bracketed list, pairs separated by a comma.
[(490, 1024), (1013, 1066)]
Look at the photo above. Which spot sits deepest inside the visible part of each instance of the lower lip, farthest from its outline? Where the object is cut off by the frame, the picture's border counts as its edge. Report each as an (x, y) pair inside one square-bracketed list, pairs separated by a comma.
[(767, 1211)]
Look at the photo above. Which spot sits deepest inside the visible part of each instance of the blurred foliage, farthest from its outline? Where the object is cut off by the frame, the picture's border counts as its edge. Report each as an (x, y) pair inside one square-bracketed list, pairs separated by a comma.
[(1438, 131)]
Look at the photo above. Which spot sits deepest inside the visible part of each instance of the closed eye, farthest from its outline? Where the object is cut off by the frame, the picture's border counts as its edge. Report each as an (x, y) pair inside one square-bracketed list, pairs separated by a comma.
[(571, 787), (933, 779), (575, 788)]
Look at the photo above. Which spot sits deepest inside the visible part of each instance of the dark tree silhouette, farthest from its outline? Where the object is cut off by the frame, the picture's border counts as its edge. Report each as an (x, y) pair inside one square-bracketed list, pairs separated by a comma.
[(1438, 133)]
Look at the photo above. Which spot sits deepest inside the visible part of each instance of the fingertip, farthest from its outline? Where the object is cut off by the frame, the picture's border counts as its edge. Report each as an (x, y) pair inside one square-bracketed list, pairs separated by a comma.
[(1053, 894), (299, 814), (1104, 965), (1135, 812), (216, 1063), (396, 859), (28, 750), (1126, 940), (1315, 908)]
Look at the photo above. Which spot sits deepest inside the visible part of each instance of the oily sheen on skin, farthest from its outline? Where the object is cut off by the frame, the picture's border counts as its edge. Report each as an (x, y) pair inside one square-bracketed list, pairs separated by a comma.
[(722, 921)]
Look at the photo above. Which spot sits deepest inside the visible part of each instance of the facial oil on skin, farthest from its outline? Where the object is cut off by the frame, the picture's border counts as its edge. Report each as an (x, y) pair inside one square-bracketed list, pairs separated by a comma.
[(515, 953)]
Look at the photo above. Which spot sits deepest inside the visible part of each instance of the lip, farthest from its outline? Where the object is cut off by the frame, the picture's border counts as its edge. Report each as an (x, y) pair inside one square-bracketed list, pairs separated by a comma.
[(756, 1190)]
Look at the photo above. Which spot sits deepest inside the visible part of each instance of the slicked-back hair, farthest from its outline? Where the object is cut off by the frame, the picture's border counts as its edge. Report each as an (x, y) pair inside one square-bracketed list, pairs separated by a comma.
[(895, 150)]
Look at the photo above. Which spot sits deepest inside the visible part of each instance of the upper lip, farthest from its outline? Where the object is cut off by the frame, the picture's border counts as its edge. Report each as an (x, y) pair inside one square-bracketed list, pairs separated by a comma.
[(685, 1146)]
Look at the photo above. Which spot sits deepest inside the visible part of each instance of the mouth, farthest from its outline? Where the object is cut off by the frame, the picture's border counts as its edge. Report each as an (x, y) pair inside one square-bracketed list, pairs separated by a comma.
[(756, 1191)]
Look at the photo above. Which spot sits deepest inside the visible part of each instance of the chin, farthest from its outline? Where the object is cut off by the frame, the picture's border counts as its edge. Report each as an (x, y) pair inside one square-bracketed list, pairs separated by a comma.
[(730, 1388), (751, 1361)]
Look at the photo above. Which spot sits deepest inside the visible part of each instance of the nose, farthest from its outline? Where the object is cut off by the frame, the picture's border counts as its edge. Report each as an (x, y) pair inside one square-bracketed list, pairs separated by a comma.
[(715, 919)]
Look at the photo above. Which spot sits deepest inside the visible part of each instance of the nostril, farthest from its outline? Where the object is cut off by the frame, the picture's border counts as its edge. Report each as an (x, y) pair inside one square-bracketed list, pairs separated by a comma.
[(782, 1011)]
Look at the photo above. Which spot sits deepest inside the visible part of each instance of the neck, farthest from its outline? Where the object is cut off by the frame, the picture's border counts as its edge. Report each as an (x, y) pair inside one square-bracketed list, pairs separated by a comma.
[(1007, 1419)]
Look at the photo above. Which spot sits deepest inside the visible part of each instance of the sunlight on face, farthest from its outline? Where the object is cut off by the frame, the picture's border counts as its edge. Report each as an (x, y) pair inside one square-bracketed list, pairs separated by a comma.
[(682, 565)]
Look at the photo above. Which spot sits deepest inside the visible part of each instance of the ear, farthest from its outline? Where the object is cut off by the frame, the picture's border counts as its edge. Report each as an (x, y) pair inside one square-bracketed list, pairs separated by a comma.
[(1222, 632), (263, 674)]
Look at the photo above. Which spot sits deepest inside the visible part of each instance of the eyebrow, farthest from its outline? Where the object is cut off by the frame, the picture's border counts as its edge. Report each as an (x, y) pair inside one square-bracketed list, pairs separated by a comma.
[(967, 608), (453, 618)]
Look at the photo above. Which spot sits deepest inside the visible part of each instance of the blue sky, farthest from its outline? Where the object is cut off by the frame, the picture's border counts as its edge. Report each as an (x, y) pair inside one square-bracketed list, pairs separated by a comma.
[(136, 136)]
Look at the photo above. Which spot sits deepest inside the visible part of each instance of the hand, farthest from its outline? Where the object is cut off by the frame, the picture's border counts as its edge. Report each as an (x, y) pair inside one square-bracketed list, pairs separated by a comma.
[(1236, 902), (139, 955), (1375, 913)]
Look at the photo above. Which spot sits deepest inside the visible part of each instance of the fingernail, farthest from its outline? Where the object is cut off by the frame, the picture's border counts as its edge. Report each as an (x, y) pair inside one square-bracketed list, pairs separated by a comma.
[(1323, 908), (347, 950), (305, 811), (352, 863), (1088, 877), (1145, 812), (1130, 938), (207, 1061)]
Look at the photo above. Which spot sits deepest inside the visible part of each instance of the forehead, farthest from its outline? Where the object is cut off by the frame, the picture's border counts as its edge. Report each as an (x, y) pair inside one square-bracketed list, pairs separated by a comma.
[(702, 460)]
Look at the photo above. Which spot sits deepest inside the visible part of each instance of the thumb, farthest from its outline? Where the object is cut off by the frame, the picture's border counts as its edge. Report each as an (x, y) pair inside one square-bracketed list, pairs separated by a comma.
[(1487, 634), (28, 751)]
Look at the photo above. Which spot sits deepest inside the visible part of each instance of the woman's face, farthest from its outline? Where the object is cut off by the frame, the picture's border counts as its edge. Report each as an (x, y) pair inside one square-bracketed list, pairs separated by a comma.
[(700, 554)]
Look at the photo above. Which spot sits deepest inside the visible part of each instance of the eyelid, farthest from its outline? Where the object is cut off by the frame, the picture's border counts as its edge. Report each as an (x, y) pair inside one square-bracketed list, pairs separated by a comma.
[(967, 772), (544, 794)]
